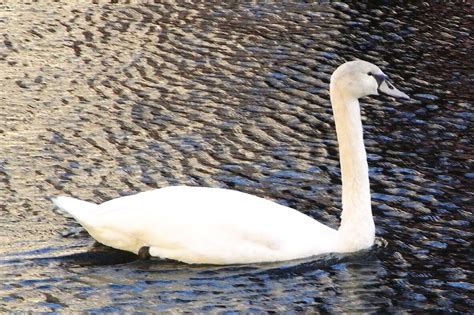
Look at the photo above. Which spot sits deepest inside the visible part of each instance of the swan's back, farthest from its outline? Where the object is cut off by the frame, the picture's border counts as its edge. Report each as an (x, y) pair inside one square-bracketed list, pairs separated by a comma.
[(208, 225)]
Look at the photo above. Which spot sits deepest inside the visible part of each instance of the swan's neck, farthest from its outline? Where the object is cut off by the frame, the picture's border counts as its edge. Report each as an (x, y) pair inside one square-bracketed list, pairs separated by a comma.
[(357, 228)]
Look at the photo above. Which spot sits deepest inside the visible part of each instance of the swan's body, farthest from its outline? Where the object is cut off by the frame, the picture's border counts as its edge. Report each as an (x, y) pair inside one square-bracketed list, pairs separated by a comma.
[(221, 226), (203, 225)]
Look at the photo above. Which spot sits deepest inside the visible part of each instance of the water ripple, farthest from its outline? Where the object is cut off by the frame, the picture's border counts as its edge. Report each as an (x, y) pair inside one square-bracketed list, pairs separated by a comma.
[(104, 99)]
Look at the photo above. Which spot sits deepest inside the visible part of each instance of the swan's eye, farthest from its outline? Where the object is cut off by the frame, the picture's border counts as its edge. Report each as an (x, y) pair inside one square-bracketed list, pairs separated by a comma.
[(369, 73)]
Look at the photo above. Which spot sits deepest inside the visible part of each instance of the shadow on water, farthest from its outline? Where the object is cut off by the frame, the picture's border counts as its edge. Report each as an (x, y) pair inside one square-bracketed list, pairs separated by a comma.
[(106, 99), (122, 275), (102, 255)]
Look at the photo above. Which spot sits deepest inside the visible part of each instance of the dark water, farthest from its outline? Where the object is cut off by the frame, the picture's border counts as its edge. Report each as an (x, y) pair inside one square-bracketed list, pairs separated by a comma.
[(103, 99)]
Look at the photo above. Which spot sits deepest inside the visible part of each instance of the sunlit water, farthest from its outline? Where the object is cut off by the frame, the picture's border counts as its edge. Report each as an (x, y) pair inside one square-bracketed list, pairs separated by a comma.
[(99, 100)]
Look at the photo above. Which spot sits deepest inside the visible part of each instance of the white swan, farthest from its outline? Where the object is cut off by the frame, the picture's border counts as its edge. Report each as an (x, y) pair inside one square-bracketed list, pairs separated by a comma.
[(221, 226)]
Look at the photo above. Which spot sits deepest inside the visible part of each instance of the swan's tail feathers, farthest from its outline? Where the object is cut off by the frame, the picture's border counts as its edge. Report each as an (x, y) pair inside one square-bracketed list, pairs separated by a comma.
[(82, 211)]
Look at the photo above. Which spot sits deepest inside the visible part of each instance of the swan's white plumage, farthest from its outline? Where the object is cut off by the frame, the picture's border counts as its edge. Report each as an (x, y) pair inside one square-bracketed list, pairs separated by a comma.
[(82, 211), (204, 225), (221, 226)]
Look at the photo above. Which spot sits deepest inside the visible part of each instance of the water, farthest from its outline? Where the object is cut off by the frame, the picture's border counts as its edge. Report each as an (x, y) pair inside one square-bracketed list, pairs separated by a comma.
[(102, 99)]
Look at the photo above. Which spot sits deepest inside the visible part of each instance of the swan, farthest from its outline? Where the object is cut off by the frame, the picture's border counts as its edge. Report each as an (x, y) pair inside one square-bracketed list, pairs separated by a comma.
[(201, 225)]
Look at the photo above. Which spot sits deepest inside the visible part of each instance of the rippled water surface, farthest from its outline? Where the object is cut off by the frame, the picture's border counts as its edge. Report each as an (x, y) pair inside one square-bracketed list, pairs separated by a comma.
[(103, 99)]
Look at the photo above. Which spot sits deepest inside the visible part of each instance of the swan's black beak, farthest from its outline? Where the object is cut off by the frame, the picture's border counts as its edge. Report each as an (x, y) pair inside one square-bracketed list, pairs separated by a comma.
[(386, 87)]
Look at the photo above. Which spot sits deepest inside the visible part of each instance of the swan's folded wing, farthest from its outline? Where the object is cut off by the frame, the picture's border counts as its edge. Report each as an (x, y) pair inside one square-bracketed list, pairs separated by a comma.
[(208, 225)]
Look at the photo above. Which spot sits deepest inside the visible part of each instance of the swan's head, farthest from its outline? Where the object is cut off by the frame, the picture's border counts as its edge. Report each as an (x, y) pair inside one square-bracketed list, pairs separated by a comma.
[(359, 78)]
